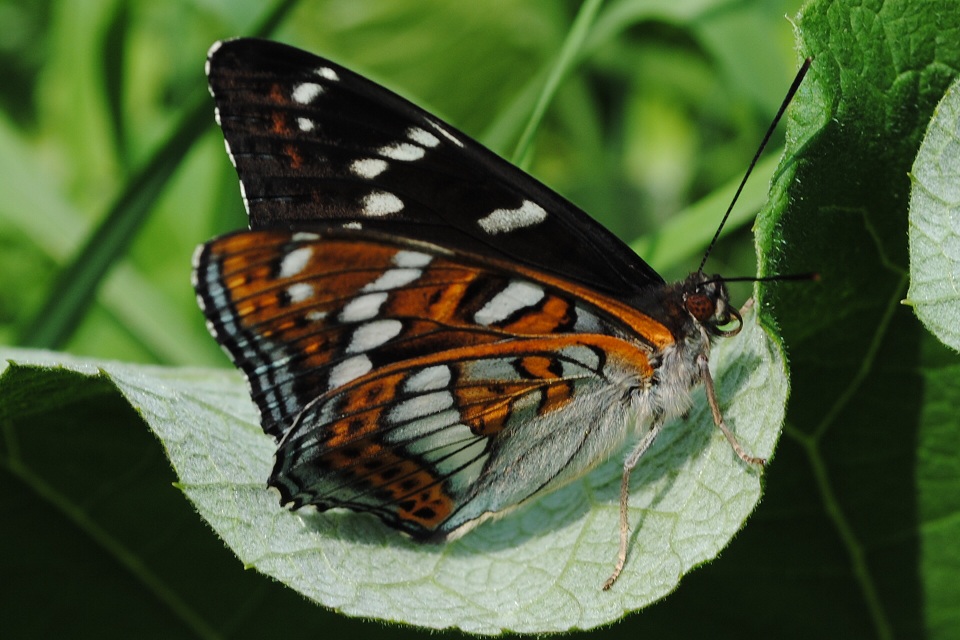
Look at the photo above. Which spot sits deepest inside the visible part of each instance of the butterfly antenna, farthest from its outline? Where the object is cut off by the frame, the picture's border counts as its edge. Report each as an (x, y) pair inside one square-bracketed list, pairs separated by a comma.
[(766, 138)]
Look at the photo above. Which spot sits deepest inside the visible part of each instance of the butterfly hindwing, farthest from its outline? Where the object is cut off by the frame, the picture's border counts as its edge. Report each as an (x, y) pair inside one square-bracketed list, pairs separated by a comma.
[(314, 142), (430, 446)]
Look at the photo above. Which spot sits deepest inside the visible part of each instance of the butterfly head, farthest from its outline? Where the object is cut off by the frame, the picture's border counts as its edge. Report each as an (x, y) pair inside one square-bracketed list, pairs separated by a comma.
[(707, 300)]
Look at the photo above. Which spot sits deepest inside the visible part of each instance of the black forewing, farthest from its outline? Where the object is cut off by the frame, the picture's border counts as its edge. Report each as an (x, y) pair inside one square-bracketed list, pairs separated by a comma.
[(297, 126)]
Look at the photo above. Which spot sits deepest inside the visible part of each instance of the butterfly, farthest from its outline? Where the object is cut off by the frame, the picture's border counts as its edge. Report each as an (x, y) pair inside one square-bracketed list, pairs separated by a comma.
[(430, 334)]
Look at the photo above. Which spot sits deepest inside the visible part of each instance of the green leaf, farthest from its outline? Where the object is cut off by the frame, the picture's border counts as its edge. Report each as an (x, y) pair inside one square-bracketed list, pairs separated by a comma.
[(935, 224), (863, 513), (537, 569), (93, 528)]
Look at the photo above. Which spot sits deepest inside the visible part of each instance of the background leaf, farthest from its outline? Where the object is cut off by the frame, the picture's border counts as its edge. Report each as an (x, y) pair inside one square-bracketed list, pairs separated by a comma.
[(863, 507), (935, 224)]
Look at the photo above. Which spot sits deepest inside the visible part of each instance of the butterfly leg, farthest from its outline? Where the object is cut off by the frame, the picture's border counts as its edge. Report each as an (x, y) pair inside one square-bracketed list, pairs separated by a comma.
[(628, 466), (718, 417)]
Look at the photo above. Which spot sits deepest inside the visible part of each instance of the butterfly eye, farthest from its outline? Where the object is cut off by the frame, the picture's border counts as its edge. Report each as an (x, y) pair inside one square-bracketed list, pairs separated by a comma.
[(701, 306)]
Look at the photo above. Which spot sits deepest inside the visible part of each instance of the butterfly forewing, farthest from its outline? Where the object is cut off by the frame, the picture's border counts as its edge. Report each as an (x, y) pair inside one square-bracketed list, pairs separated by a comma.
[(314, 142), (303, 313)]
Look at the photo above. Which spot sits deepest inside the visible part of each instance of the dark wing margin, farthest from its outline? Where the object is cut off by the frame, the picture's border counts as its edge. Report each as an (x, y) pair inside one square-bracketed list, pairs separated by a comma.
[(314, 142)]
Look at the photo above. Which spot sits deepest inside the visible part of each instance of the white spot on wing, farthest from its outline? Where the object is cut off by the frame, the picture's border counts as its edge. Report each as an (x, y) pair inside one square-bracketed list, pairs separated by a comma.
[(327, 74), (506, 220), (429, 379), (295, 262), (583, 357), (299, 292), (409, 434), (306, 92), (350, 369), (441, 442), (381, 203), (305, 124), (418, 406), (363, 307), (422, 137), (373, 334), (243, 196), (392, 279), (214, 48), (402, 151), (368, 167), (586, 321), (411, 259), (305, 236), (446, 134), (519, 294), (489, 369), (465, 466), (226, 145), (352, 225), (195, 260), (315, 316)]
